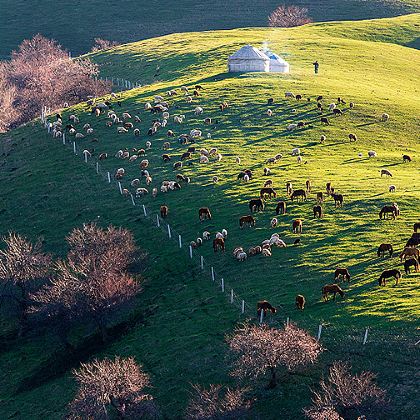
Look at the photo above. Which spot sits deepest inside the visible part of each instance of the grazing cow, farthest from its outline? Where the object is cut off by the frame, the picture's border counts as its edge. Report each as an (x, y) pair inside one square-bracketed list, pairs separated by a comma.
[(164, 210), (318, 211), (246, 221), (389, 273), (386, 172), (331, 288), (338, 199), (298, 194), (256, 204), (343, 272), (319, 197), (265, 306), (308, 186), (416, 226), (267, 191), (406, 158), (386, 210), (411, 262), (410, 252), (385, 248), (281, 208), (300, 302), (204, 213), (218, 243), (297, 226)]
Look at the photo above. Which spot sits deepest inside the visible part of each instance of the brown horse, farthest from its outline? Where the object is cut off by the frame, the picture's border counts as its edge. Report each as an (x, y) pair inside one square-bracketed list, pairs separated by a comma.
[(246, 221), (319, 197), (387, 274), (385, 248), (265, 306), (256, 204), (300, 302), (343, 272), (328, 188), (281, 208), (331, 288), (411, 262), (267, 191), (410, 252), (204, 213), (338, 199), (298, 194), (218, 243), (308, 186), (164, 210), (289, 188), (297, 226), (416, 226), (386, 210), (318, 211)]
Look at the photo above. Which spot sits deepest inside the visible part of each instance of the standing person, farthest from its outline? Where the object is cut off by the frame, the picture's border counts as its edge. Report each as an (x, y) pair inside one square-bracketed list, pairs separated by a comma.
[(316, 66)]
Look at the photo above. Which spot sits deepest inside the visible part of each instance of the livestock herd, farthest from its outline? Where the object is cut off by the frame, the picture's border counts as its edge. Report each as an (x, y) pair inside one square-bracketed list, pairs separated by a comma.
[(126, 124)]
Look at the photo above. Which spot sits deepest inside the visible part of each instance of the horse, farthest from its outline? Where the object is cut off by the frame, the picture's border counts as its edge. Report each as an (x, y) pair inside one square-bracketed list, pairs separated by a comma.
[(204, 213), (411, 262), (297, 226), (416, 226), (267, 191), (218, 243), (410, 252), (388, 209), (384, 248), (256, 204), (164, 211), (300, 301), (387, 274), (298, 194), (289, 188), (338, 199), (331, 288), (246, 221), (265, 306), (344, 272), (281, 208), (308, 186), (318, 211), (319, 197)]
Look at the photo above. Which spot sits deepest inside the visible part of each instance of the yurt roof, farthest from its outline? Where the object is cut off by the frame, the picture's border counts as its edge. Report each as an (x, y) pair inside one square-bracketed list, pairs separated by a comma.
[(248, 52), (274, 56)]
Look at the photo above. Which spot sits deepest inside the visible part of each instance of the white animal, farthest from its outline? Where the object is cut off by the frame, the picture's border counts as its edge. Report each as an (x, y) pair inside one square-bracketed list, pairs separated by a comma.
[(215, 179), (241, 256), (291, 127), (219, 235), (384, 117), (274, 222), (266, 252), (224, 233), (323, 138), (121, 130), (79, 136), (332, 106), (148, 145), (198, 110), (269, 112), (204, 159), (296, 152), (206, 235), (246, 178), (135, 182), (372, 153)]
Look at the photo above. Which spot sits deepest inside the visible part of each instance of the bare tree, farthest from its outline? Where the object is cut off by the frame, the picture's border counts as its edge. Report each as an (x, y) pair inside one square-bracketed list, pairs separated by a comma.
[(42, 74), (21, 265), (288, 16), (217, 404), (103, 44), (261, 349), (109, 386), (348, 396)]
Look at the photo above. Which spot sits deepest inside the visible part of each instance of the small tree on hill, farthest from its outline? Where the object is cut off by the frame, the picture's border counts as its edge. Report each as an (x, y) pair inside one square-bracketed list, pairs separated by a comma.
[(261, 349), (103, 44), (21, 265), (347, 396), (217, 404), (288, 16), (109, 386)]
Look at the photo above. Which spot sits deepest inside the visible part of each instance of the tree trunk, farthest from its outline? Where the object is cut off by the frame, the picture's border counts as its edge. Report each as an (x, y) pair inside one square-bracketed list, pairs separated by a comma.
[(104, 332), (273, 381)]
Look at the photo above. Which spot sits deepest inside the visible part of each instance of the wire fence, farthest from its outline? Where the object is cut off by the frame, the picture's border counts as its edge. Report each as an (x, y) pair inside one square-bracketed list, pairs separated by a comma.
[(333, 335), (122, 84)]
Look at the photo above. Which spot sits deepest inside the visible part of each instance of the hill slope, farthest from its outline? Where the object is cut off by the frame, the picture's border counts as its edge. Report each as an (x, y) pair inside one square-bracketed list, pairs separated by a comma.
[(76, 24), (181, 318)]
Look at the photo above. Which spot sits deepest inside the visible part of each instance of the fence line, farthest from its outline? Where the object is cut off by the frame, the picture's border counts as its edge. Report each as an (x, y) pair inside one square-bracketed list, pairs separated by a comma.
[(155, 219)]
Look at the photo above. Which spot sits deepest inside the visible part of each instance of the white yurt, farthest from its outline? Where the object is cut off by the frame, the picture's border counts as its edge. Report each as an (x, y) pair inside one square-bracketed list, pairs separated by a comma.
[(277, 64), (248, 58)]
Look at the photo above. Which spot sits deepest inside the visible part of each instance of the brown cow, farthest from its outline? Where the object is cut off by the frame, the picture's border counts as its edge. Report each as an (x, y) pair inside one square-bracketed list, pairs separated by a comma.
[(385, 248), (218, 243), (267, 191), (298, 194), (318, 211), (300, 302), (331, 288), (297, 226), (411, 262), (281, 208), (164, 211), (256, 205), (344, 272), (387, 274), (410, 252), (246, 221), (204, 213), (265, 306)]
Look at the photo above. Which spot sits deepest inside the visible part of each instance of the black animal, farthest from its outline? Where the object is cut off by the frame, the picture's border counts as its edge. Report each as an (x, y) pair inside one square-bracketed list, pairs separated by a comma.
[(256, 204), (324, 120)]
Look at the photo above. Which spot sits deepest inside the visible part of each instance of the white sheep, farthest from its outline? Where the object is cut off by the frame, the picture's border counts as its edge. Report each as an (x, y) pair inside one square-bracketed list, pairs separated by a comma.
[(274, 222), (189, 99), (206, 235), (269, 112), (184, 89), (135, 182), (219, 157), (204, 159), (158, 99), (164, 188), (140, 192), (148, 106), (89, 131), (209, 135), (133, 158), (291, 127), (136, 132), (332, 106), (195, 133), (219, 235), (246, 178), (79, 136), (224, 233), (144, 163), (164, 122), (212, 151), (384, 117), (296, 151), (86, 126), (126, 116), (372, 153), (148, 180), (241, 256), (148, 145), (266, 252), (198, 110), (154, 192), (121, 130)]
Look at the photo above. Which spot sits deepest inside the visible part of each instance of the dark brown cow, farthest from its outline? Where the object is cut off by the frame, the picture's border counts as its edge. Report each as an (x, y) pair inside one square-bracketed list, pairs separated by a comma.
[(300, 302), (204, 213), (298, 194), (265, 306), (343, 272), (385, 248), (318, 211), (246, 221), (387, 274), (267, 191), (256, 204), (281, 208), (411, 262), (164, 211), (297, 226), (331, 288), (218, 243)]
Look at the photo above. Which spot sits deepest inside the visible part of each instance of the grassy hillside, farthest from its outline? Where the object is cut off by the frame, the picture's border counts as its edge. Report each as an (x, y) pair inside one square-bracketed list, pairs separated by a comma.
[(76, 24), (178, 328)]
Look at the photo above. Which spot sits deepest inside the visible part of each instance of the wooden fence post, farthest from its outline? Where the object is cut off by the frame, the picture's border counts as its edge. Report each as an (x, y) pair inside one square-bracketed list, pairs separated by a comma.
[(261, 316), (109, 177), (243, 306), (223, 284), (366, 336), (144, 211), (169, 232), (157, 221), (132, 199), (202, 262), (231, 295), (319, 332), (191, 252), (212, 274), (97, 167), (120, 187), (74, 147), (180, 241)]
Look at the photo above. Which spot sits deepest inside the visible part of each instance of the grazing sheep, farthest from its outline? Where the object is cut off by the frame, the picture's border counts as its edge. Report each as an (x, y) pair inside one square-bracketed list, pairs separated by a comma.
[(392, 188), (269, 112), (296, 152), (267, 171), (274, 222), (140, 192), (372, 153), (204, 159), (384, 117), (133, 158), (323, 138), (103, 156), (289, 95), (79, 136), (331, 107), (135, 182), (177, 165), (121, 130), (266, 252), (352, 137), (215, 179), (148, 145), (144, 164), (166, 145), (148, 180), (406, 158), (206, 235), (291, 127), (386, 172), (136, 132), (198, 110), (324, 120)]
